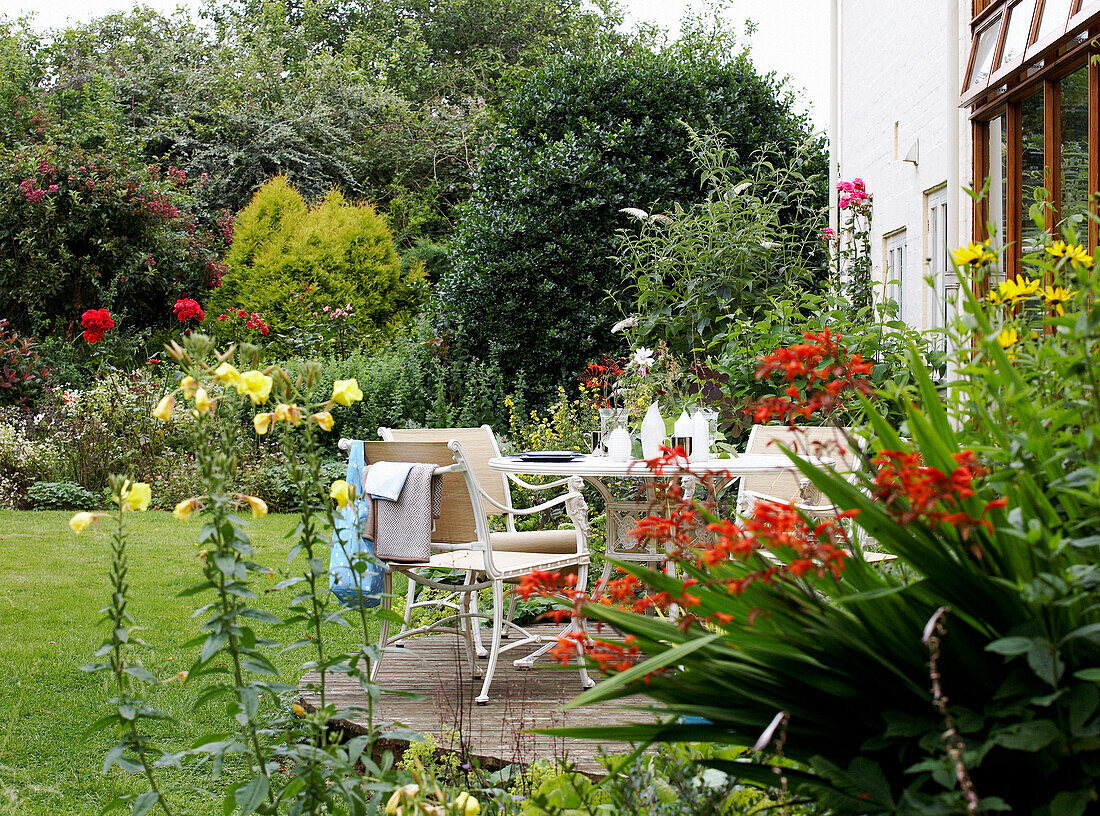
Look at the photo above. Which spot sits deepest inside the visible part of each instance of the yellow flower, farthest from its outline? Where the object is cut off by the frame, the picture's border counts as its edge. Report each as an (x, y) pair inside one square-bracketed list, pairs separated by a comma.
[(259, 506), (257, 386), (188, 385), (184, 508), (262, 423), (163, 411), (973, 255), (203, 402), (1013, 291), (79, 523), (340, 492), (467, 805), (345, 392), (228, 375), (135, 495), (404, 792), (1075, 252), (1008, 338), (298, 710), (1056, 298), (288, 413), (324, 420)]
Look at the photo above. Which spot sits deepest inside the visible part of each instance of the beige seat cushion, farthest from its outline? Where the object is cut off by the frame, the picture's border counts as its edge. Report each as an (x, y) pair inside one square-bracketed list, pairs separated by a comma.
[(535, 541)]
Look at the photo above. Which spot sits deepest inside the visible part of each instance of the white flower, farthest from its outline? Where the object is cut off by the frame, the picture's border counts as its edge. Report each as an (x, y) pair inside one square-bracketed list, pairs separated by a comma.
[(623, 325), (643, 357), (740, 188), (768, 244), (641, 215)]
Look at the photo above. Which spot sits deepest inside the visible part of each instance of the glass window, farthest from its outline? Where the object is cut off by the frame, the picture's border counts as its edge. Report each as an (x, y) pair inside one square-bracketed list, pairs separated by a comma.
[(998, 179), (985, 48), (895, 270), (1032, 166), (1053, 21), (1075, 150), (1018, 29)]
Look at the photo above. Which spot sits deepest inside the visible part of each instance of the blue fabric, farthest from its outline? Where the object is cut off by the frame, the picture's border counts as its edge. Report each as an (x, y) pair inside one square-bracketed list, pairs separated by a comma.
[(385, 480), (342, 579)]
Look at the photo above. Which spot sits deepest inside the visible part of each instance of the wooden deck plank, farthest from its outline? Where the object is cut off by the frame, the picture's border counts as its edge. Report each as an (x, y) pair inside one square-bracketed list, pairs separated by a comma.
[(435, 669)]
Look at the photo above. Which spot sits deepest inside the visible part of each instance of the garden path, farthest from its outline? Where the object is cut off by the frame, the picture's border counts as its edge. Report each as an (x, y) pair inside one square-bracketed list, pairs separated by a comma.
[(435, 669)]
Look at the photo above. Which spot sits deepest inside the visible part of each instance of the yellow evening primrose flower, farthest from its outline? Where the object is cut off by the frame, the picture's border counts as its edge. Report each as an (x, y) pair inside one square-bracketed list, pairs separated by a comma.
[(1056, 297), (163, 411), (136, 495), (188, 385), (183, 510), (404, 792), (973, 255), (288, 413), (1008, 338), (257, 386), (324, 420), (203, 403), (298, 710), (259, 506), (262, 422), (228, 375), (340, 492), (345, 392), (467, 805), (79, 523)]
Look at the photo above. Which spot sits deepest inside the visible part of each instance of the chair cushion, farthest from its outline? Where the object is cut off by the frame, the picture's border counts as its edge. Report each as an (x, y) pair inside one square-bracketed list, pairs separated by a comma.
[(536, 541), (508, 563)]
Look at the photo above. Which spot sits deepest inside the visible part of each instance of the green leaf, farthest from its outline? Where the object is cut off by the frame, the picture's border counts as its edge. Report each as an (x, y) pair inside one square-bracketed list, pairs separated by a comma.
[(251, 796), (144, 803), (1028, 736)]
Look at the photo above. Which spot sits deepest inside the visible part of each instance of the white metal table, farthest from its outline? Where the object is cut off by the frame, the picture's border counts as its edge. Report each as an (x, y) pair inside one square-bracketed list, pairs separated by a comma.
[(623, 516)]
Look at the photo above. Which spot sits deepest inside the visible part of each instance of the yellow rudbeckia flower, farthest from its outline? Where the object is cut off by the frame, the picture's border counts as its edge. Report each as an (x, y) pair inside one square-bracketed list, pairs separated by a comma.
[(228, 375), (163, 411), (973, 255), (79, 523), (340, 493), (1008, 338), (345, 392), (257, 386), (262, 423), (258, 505), (183, 510), (1056, 297), (324, 420), (1075, 252)]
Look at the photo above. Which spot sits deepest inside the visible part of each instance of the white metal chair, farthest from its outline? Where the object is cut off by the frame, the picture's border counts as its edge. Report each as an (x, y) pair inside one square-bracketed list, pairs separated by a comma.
[(829, 441), (462, 540), (480, 445)]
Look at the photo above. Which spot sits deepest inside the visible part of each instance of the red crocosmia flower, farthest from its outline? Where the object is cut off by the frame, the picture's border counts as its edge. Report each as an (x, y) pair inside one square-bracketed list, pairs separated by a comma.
[(96, 322), (186, 308)]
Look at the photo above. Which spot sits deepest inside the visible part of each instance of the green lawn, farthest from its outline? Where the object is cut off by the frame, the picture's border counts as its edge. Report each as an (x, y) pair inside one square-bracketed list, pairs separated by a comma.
[(52, 587)]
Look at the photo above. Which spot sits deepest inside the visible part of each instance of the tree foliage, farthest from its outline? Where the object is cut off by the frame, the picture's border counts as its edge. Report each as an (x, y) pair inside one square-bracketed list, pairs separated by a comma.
[(578, 139)]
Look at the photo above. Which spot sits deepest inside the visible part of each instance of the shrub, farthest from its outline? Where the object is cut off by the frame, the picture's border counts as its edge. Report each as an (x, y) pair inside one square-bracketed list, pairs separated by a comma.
[(334, 255), (61, 496), (579, 138), (80, 232), (24, 460), (22, 372)]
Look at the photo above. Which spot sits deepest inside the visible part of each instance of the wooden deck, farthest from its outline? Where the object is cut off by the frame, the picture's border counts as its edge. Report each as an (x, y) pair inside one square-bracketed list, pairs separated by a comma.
[(434, 668)]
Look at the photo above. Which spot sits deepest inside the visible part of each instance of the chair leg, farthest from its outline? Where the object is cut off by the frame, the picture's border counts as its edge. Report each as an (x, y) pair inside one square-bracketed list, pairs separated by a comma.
[(410, 599), (511, 614), (494, 651), (578, 626), (604, 576), (384, 629), (466, 608), (479, 646)]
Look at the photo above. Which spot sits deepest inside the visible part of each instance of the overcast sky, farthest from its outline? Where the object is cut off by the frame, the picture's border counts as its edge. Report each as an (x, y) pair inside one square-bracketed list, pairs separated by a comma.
[(792, 36)]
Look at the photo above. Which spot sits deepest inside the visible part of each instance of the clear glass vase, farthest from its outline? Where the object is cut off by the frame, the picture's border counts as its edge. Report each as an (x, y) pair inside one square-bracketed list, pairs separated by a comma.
[(610, 419)]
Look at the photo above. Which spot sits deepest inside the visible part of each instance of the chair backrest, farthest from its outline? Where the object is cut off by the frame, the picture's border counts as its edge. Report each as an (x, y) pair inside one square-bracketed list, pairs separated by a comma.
[(479, 446), (822, 441), (457, 512)]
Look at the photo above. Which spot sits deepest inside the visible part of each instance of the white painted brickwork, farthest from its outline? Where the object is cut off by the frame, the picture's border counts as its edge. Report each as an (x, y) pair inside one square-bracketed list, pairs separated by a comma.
[(894, 91)]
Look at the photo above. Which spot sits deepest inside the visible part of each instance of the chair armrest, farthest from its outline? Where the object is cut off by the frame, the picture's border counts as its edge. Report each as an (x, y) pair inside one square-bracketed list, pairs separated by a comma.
[(546, 505), (528, 486)]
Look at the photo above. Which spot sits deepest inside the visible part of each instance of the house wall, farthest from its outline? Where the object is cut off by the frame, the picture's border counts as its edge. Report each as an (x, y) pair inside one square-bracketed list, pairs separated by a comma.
[(895, 90)]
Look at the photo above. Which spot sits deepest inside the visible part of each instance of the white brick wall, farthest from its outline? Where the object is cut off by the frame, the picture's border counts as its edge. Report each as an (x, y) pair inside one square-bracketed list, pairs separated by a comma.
[(894, 68)]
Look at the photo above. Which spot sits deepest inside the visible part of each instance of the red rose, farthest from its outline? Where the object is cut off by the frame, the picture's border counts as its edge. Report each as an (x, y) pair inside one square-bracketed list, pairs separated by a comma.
[(96, 322)]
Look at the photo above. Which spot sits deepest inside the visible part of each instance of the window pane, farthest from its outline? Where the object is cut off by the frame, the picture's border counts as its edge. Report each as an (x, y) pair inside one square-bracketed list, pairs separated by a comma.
[(985, 49), (1075, 149), (1033, 155), (998, 178), (1019, 27), (1055, 15)]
